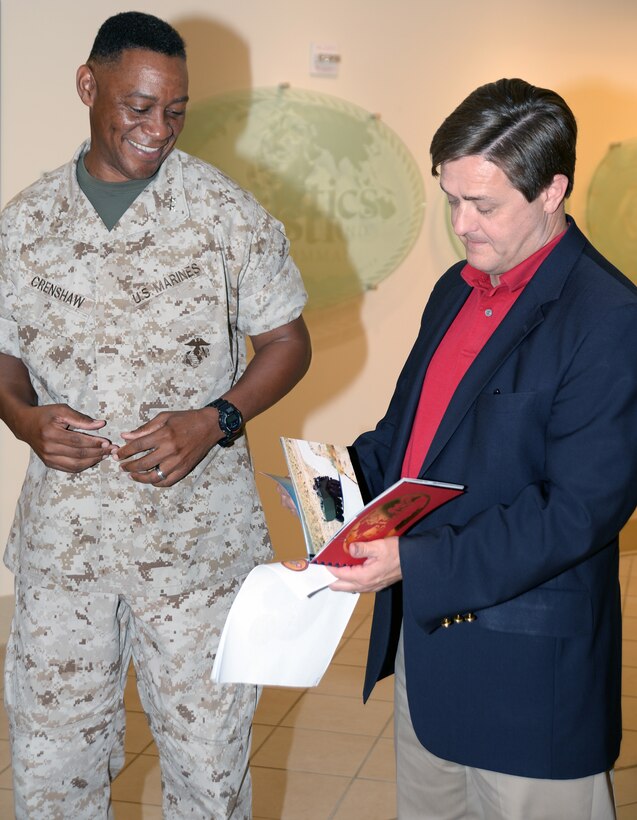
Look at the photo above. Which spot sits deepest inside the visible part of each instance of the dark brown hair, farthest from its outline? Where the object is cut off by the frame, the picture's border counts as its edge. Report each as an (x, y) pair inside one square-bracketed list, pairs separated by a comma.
[(528, 132)]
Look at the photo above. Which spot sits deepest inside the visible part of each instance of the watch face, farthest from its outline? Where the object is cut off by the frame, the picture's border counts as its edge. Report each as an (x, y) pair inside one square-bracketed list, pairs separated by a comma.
[(231, 419)]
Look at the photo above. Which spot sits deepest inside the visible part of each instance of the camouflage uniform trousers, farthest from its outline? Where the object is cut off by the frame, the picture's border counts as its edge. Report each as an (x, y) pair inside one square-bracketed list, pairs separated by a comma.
[(65, 674)]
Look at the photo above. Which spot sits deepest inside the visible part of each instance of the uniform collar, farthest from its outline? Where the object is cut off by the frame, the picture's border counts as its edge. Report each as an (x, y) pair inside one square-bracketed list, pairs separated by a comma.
[(162, 203)]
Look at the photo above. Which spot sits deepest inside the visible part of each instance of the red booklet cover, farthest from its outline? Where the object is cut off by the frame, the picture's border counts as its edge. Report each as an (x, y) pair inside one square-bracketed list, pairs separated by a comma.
[(393, 512), (324, 487)]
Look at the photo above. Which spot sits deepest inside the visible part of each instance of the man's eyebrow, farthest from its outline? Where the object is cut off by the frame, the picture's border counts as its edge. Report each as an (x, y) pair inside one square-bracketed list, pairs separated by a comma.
[(477, 198), (468, 198), (153, 98)]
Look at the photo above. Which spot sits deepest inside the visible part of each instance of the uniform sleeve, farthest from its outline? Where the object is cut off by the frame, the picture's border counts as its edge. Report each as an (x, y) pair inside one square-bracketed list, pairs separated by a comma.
[(9, 341), (271, 291)]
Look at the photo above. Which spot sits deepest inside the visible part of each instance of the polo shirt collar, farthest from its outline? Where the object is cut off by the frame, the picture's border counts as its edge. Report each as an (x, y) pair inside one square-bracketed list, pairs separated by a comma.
[(513, 279)]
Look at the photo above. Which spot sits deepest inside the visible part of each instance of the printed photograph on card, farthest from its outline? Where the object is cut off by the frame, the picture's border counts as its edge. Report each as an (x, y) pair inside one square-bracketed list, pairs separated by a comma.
[(326, 487)]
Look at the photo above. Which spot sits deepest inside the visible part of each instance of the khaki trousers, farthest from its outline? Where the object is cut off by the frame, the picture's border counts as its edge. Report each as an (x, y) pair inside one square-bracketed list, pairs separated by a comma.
[(428, 788)]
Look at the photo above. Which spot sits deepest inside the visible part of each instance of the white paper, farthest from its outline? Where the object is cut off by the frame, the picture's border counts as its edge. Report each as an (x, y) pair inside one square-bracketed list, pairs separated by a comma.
[(283, 627)]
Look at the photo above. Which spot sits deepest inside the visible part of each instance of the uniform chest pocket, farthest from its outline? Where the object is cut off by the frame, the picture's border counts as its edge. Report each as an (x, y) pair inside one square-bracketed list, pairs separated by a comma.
[(53, 319), (172, 323), (186, 310), (187, 335), (57, 339)]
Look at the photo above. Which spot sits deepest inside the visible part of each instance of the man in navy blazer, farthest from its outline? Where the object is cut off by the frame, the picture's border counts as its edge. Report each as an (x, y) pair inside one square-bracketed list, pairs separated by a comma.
[(500, 612)]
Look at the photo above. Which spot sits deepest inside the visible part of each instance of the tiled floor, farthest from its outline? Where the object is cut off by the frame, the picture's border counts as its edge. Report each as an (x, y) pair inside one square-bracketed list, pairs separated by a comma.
[(319, 754)]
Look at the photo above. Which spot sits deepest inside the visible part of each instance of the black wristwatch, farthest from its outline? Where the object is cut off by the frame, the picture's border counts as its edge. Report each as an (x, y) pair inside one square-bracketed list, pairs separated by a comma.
[(230, 421)]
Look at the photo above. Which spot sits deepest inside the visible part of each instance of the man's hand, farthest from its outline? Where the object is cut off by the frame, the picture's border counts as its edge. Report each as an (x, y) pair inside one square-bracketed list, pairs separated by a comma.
[(54, 433), (380, 569), (174, 441), (286, 499)]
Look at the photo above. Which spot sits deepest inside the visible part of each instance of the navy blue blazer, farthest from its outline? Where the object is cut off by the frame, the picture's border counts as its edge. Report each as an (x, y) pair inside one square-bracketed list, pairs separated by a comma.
[(542, 430)]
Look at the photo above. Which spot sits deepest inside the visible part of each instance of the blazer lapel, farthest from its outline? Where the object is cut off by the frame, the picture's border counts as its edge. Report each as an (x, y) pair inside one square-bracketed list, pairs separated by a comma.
[(435, 324), (525, 315), (490, 358)]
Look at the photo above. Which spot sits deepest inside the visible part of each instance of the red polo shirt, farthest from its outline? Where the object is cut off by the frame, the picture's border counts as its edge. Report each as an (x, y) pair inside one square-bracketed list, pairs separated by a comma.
[(478, 318)]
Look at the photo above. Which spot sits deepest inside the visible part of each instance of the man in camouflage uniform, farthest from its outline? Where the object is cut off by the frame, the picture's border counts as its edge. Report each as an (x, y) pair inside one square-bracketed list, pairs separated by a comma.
[(118, 329)]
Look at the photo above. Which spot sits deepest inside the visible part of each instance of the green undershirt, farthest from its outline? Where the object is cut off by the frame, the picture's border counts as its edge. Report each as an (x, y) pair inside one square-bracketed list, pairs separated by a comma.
[(110, 199)]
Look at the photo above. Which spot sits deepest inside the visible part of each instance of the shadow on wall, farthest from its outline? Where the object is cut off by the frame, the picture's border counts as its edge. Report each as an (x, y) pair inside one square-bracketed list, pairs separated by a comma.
[(606, 113), (218, 58), (219, 62)]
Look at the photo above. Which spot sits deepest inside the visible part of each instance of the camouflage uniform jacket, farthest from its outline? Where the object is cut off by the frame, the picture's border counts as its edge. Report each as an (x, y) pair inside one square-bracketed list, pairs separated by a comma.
[(121, 325)]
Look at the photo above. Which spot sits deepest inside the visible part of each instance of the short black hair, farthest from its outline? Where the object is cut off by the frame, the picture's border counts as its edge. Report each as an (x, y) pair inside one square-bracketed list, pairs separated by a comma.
[(528, 132), (134, 29)]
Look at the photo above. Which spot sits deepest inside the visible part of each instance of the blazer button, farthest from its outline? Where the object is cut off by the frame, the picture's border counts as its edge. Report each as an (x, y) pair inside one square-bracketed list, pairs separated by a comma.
[(446, 622), (458, 619), (469, 617)]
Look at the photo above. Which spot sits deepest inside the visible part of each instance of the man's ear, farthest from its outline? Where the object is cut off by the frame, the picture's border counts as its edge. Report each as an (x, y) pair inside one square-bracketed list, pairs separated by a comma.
[(554, 193), (86, 85)]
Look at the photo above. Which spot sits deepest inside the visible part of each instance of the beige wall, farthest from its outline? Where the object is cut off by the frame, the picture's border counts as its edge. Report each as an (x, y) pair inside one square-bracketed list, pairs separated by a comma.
[(410, 60)]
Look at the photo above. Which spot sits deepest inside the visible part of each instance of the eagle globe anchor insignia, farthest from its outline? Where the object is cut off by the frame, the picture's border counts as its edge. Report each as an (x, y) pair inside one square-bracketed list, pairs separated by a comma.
[(197, 353)]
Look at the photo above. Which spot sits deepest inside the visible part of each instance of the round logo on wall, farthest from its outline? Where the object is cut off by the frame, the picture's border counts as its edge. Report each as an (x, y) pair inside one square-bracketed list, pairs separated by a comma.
[(346, 188), (611, 209)]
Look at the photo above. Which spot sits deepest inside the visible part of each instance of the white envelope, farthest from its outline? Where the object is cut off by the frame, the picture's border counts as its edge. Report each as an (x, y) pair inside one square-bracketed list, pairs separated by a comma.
[(283, 627)]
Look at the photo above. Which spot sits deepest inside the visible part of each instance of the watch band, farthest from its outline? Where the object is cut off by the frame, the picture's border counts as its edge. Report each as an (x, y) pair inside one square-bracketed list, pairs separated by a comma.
[(230, 421)]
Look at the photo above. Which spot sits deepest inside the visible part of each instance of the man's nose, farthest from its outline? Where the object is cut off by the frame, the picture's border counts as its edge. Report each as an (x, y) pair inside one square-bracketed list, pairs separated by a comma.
[(159, 126), (463, 218)]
